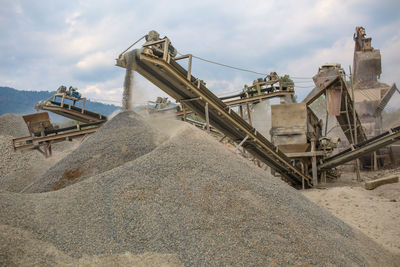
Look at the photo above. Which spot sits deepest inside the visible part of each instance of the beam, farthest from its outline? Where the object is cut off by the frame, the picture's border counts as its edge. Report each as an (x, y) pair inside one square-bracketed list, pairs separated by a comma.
[(37, 141), (364, 148), (172, 78)]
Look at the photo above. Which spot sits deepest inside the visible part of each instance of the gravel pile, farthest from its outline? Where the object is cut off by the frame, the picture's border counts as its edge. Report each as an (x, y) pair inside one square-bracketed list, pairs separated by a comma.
[(14, 125), (12, 164), (122, 139), (33, 252), (192, 198), (19, 169), (10, 160)]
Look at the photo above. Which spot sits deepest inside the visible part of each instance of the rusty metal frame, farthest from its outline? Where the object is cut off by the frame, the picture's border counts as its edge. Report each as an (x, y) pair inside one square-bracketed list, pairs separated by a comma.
[(245, 100), (44, 142), (253, 135), (361, 149), (64, 96)]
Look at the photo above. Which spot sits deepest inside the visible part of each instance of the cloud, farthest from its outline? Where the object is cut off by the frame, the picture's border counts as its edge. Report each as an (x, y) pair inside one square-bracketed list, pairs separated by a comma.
[(226, 87), (75, 43), (307, 66), (96, 60), (391, 66)]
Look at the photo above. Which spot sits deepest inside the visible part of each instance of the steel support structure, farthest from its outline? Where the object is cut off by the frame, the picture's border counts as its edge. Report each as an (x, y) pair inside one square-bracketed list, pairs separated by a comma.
[(173, 79)]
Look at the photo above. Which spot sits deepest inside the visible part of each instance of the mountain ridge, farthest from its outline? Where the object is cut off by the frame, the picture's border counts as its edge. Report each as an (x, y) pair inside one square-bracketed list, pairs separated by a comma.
[(23, 102)]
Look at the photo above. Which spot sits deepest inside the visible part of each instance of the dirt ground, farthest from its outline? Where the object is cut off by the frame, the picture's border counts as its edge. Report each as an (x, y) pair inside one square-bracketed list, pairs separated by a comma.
[(374, 212)]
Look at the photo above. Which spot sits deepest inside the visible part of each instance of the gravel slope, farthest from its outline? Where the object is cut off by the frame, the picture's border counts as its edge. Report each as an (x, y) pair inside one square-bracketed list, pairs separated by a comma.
[(122, 139), (34, 252), (14, 125), (20, 169), (193, 198)]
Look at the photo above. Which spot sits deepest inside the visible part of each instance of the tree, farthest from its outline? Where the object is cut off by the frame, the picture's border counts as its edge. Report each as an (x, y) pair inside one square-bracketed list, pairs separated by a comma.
[(287, 81)]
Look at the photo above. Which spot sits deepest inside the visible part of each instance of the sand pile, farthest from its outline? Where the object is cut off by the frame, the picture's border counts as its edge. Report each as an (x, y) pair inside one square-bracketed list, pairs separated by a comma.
[(375, 212), (389, 192), (189, 198), (122, 139), (13, 125)]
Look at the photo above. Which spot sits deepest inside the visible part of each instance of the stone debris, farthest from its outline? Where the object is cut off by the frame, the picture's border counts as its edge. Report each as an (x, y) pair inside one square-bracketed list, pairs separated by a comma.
[(183, 200), (122, 139), (13, 125)]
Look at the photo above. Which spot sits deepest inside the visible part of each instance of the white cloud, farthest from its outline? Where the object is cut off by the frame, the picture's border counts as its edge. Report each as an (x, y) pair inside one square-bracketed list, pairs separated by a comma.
[(57, 43), (96, 60), (226, 87), (73, 19), (340, 52), (391, 66)]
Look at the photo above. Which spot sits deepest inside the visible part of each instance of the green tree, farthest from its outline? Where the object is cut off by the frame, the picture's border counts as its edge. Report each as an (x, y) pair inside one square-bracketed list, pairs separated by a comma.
[(287, 81)]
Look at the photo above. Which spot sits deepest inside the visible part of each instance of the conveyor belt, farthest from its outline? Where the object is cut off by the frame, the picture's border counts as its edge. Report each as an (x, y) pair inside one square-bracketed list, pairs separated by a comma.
[(330, 82), (385, 99), (173, 79), (345, 118), (245, 100), (73, 112), (361, 149), (33, 142)]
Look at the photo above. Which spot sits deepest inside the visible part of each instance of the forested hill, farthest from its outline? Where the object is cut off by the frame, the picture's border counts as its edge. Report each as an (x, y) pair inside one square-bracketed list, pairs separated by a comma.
[(23, 102)]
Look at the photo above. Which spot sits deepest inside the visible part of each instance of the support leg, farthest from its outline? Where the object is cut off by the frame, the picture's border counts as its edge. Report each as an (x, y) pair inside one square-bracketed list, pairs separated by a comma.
[(207, 118), (314, 164)]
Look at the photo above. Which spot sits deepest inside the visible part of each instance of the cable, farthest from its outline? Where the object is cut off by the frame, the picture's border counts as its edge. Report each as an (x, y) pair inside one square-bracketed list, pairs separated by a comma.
[(311, 86), (132, 45), (229, 93), (228, 66), (104, 100), (304, 82), (301, 78), (236, 68)]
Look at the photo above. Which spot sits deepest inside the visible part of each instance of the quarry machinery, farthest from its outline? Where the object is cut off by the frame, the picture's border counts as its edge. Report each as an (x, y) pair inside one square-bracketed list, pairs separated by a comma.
[(370, 95), (261, 89), (43, 134), (156, 61), (64, 102), (71, 92), (330, 82)]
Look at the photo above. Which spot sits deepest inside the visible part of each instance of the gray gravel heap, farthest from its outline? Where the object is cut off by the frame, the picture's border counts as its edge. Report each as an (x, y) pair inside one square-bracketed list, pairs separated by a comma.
[(14, 125), (19, 169), (12, 163), (122, 139), (193, 198), (9, 159), (33, 252)]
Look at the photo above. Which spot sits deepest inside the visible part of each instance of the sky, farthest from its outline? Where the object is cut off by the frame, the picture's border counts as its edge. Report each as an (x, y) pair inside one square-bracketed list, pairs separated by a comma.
[(48, 43)]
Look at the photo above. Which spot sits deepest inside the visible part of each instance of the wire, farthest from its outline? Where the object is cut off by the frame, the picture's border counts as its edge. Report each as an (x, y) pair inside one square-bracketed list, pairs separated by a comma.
[(229, 93), (104, 100), (132, 45), (228, 66), (301, 78), (305, 82), (240, 69), (304, 86)]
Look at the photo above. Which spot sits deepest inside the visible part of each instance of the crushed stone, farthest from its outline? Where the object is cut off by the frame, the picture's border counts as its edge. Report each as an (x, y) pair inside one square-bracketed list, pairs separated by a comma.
[(189, 196)]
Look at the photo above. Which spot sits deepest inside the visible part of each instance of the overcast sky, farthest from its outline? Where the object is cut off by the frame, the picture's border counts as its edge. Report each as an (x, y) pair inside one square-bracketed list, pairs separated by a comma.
[(48, 43)]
